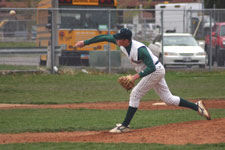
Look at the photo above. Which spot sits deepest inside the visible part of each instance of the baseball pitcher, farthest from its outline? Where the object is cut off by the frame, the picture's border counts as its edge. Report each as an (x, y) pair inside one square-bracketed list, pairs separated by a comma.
[(151, 72)]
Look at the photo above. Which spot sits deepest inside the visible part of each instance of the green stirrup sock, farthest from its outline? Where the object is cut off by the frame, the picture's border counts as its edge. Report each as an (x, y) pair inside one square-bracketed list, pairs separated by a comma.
[(130, 113), (185, 103)]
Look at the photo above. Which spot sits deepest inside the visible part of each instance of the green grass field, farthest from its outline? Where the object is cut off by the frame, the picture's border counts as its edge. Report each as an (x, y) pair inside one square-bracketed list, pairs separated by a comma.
[(54, 120), (80, 87), (97, 87), (109, 146), (20, 67)]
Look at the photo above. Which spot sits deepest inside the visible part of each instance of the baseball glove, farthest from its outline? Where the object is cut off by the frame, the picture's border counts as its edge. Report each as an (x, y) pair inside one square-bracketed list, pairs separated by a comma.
[(126, 82)]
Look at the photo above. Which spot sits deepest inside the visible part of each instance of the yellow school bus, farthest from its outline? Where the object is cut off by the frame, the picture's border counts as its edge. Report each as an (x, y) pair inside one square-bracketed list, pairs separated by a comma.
[(76, 20)]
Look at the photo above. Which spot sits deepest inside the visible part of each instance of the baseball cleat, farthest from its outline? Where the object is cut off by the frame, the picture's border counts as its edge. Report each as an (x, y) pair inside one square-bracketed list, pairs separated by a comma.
[(120, 128), (202, 110)]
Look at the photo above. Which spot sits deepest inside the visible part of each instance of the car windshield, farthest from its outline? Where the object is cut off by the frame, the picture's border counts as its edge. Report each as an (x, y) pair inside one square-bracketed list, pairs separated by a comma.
[(222, 31), (179, 41)]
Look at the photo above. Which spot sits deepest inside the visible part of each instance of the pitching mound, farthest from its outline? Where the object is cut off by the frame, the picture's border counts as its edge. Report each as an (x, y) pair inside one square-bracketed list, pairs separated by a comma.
[(195, 132)]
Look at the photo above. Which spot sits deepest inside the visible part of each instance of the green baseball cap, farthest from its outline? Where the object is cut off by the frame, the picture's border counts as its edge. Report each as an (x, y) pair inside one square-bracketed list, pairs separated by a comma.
[(124, 33)]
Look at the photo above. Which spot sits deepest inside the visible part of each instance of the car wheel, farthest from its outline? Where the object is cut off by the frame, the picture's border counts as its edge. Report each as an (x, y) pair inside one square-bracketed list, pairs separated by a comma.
[(206, 49), (213, 60), (209, 58), (189, 66), (160, 58), (201, 66), (220, 58)]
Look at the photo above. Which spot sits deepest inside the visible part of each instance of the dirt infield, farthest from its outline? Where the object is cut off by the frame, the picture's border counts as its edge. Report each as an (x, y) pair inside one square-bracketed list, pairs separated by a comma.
[(145, 105), (195, 132)]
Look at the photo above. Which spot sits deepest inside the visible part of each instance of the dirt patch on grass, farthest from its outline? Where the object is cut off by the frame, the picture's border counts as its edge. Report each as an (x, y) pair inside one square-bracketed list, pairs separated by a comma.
[(195, 132), (145, 105)]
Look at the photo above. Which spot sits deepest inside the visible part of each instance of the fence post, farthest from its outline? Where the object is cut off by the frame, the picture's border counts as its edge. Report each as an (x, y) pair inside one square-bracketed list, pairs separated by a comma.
[(184, 11), (162, 31), (53, 35), (109, 51), (191, 26), (210, 40)]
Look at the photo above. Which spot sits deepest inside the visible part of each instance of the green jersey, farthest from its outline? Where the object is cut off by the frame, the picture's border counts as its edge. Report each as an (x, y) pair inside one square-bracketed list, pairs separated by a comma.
[(143, 54)]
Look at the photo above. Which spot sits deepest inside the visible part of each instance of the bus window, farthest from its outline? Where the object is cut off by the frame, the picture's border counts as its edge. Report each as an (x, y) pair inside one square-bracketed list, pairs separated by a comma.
[(84, 19), (70, 20)]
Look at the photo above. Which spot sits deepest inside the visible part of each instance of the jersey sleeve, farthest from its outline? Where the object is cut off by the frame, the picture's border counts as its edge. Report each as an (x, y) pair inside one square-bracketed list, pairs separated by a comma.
[(100, 38), (144, 55)]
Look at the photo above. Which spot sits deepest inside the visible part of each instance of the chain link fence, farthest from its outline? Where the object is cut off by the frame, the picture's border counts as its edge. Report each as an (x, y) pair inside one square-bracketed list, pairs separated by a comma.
[(17, 36), (45, 37)]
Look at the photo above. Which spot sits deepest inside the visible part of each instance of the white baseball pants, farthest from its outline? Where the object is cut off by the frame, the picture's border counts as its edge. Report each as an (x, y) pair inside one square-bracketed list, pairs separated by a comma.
[(156, 81)]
